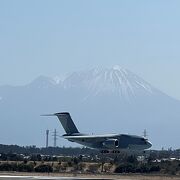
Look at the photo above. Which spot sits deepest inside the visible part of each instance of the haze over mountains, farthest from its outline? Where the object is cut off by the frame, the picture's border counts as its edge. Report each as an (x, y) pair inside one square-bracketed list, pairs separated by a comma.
[(109, 100)]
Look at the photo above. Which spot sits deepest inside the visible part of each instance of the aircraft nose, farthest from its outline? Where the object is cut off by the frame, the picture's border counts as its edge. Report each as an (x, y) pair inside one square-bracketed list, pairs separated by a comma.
[(149, 144)]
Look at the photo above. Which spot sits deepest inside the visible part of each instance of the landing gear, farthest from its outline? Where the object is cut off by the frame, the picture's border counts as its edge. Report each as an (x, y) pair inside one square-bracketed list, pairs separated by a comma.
[(110, 152), (115, 152), (104, 152)]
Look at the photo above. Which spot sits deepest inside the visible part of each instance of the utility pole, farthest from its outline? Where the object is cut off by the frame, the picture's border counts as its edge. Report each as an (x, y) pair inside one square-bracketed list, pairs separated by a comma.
[(47, 138), (55, 137)]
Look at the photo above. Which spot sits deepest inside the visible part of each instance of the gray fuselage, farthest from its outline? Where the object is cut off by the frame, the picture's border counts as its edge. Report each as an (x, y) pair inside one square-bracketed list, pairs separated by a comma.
[(114, 141)]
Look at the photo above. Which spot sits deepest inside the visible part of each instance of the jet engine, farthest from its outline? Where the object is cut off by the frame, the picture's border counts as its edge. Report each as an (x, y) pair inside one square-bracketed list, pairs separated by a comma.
[(111, 143)]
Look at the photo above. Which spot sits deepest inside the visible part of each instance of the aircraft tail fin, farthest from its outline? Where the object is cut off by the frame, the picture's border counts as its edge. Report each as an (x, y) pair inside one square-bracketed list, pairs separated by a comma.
[(66, 122)]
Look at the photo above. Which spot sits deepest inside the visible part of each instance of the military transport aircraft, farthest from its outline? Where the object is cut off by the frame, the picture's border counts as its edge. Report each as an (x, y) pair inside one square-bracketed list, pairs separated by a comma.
[(107, 143)]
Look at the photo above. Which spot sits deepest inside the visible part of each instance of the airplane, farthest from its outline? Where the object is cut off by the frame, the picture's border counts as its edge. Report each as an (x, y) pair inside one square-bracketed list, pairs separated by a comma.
[(107, 143)]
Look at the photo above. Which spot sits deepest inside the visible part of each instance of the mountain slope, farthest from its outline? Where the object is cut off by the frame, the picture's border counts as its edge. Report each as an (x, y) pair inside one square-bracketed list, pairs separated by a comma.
[(116, 80)]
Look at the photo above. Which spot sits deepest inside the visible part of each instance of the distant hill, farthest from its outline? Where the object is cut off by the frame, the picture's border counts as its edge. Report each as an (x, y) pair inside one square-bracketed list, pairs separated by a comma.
[(100, 101)]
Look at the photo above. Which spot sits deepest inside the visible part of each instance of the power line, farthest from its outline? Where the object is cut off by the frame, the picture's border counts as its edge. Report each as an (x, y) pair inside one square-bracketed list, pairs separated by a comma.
[(55, 135)]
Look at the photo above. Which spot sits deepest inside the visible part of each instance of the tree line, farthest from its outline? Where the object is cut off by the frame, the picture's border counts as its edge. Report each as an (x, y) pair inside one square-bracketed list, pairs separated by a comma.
[(27, 150)]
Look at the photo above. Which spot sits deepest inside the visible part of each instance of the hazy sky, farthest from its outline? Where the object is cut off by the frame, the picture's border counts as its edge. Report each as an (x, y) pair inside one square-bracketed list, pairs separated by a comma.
[(56, 37)]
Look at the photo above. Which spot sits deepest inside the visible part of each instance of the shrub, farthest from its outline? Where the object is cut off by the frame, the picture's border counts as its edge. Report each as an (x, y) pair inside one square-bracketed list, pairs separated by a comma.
[(7, 167), (93, 167), (43, 168), (125, 168), (144, 168), (25, 168), (155, 169)]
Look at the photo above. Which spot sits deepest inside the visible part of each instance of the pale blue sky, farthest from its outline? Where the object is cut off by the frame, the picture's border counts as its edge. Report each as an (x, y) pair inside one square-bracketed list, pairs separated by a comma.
[(56, 37)]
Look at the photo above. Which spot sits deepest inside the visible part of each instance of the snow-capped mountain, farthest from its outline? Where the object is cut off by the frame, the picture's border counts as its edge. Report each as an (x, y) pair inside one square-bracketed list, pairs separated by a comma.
[(102, 100), (98, 81), (116, 80)]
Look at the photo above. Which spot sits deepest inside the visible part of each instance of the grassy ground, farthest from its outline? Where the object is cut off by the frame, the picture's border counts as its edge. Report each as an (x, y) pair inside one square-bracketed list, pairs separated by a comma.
[(86, 170)]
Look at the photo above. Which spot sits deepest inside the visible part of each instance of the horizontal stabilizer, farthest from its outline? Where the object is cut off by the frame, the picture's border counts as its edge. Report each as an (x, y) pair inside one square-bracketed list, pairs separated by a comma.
[(48, 115), (66, 122)]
